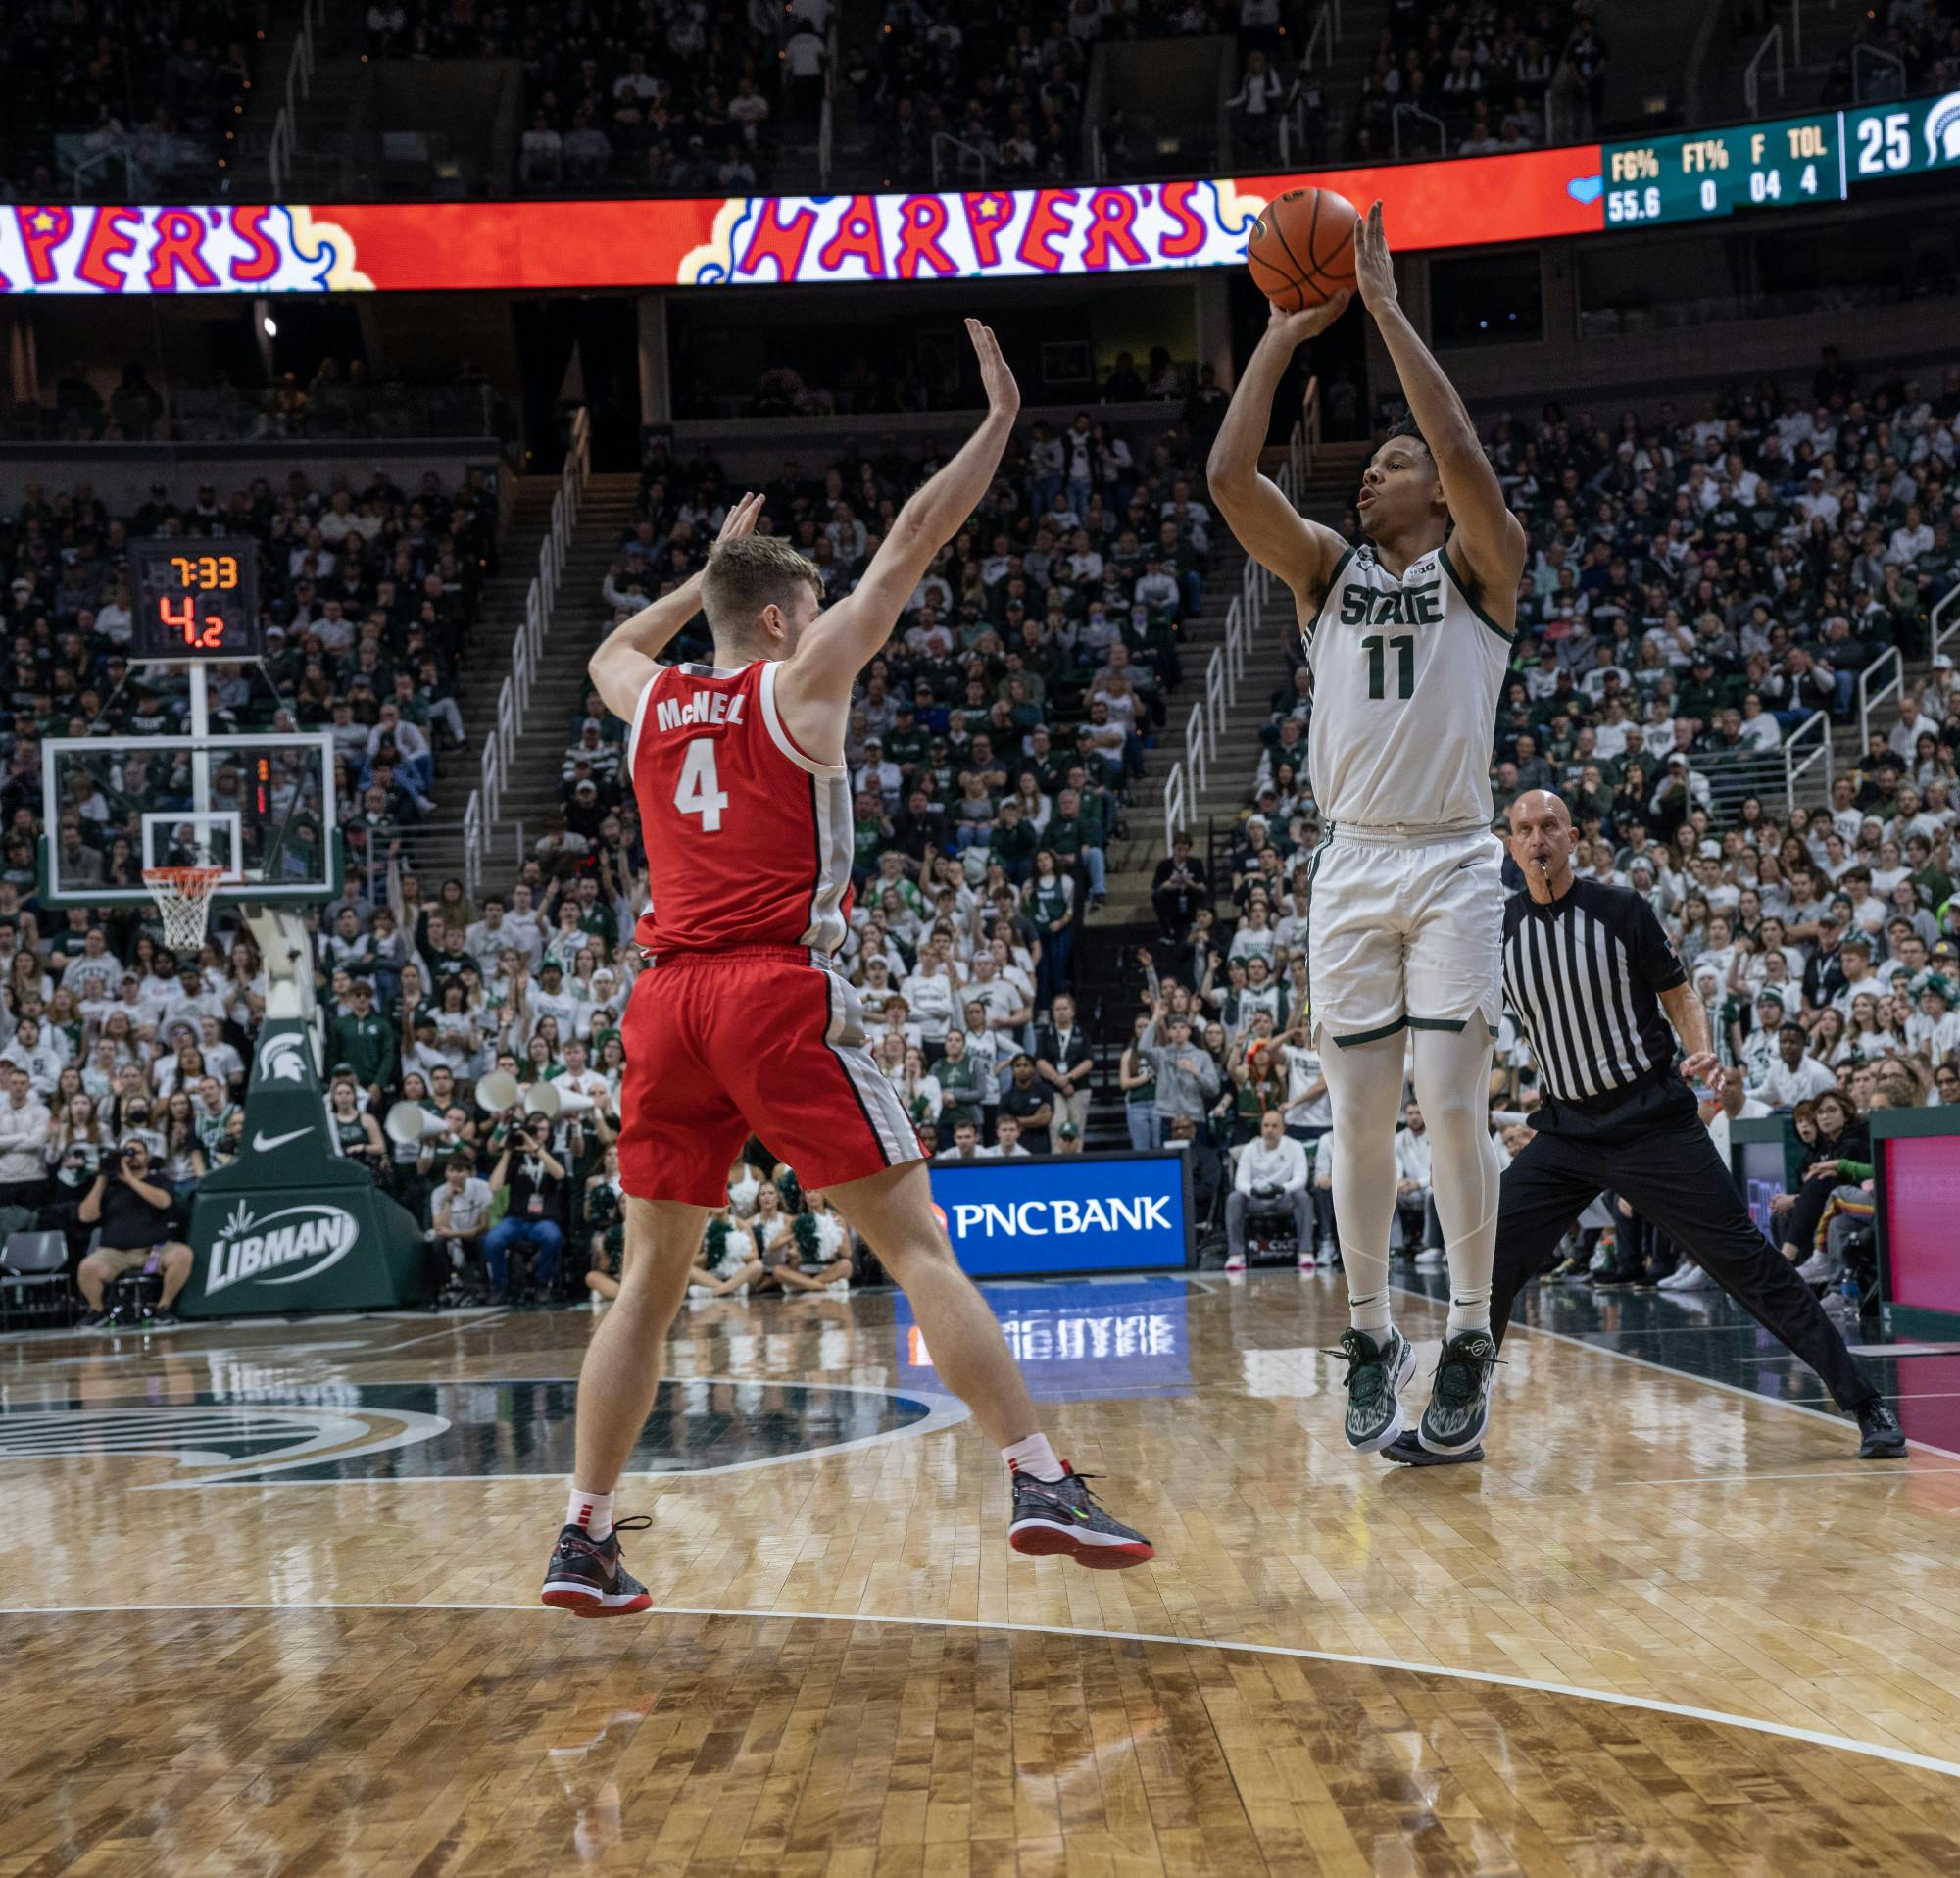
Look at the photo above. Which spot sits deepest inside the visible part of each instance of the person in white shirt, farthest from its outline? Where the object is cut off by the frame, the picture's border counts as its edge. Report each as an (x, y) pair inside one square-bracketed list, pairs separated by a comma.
[(1795, 1076), (1412, 1156), (1007, 1140), (1271, 1174), (966, 1145), (1935, 1026)]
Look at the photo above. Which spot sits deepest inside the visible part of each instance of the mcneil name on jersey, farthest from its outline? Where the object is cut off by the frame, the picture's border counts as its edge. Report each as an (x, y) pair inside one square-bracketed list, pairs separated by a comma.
[(698, 708)]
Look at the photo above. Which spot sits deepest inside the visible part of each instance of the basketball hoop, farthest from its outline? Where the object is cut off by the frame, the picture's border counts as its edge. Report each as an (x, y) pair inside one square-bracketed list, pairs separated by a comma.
[(184, 897)]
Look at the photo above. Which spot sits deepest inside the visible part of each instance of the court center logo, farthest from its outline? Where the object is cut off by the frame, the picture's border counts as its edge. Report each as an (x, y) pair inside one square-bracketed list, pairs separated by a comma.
[(224, 1420), (311, 1238), (1943, 129), (280, 1059)]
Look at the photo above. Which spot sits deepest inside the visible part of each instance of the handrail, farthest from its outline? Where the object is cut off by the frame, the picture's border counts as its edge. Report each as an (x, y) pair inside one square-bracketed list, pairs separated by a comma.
[(1870, 699), (1176, 805), (1940, 634), (1878, 56), (1428, 117), (299, 76), (514, 696), (1794, 768), (959, 143), (1751, 72)]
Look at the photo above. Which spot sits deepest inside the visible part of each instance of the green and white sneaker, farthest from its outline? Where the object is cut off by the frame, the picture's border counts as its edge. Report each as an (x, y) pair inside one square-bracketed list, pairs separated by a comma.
[(1459, 1403), (1376, 1372)]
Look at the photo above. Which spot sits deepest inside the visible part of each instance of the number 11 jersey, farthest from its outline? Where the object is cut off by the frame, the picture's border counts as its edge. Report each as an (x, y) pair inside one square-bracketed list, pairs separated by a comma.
[(748, 840), (1407, 675)]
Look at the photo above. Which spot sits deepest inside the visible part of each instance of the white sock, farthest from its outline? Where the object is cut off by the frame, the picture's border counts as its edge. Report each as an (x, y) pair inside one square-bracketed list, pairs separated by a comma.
[(1370, 1313), (1469, 1310), (591, 1510), (1033, 1457)]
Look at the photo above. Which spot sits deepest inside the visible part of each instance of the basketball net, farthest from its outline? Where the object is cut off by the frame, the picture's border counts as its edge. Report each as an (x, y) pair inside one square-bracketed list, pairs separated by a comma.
[(184, 897)]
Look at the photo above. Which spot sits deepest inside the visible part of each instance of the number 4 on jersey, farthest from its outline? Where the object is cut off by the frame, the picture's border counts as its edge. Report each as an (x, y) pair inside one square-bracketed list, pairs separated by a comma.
[(699, 791)]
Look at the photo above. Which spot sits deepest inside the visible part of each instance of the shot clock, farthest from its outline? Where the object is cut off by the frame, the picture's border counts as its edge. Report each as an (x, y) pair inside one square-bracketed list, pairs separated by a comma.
[(195, 599)]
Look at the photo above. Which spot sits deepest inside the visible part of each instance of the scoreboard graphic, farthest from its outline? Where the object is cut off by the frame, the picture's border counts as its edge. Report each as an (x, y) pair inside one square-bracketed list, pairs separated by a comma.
[(984, 234)]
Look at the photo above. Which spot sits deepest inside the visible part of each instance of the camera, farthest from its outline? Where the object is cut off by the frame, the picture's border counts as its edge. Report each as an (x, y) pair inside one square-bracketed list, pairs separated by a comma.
[(109, 1162)]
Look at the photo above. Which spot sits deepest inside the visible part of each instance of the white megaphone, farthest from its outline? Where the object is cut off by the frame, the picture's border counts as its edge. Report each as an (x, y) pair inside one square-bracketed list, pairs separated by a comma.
[(497, 1092), (542, 1099), (409, 1122), (570, 1101)]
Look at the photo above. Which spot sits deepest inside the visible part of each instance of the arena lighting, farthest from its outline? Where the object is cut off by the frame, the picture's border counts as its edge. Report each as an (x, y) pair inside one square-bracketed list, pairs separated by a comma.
[(994, 234)]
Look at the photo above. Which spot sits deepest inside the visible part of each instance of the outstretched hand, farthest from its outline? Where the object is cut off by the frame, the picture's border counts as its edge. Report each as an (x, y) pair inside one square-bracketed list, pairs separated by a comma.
[(1003, 393), (1705, 1067), (1293, 330), (1374, 270), (742, 516)]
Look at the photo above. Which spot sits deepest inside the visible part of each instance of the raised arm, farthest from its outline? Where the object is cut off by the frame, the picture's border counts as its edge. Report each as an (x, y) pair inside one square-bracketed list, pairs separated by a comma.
[(626, 657), (846, 637), (1302, 553), (1489, 541)]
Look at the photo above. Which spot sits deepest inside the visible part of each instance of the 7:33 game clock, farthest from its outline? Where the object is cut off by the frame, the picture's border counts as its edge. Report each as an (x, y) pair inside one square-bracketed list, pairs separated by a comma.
[(195, 597)]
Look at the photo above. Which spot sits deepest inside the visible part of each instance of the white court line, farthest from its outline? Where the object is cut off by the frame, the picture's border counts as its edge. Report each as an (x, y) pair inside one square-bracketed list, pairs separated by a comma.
[(1783, 1731), (1837, 1420)]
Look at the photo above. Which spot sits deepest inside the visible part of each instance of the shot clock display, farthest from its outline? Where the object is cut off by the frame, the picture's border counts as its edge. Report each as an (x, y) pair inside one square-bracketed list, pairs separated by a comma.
[(195, 599)]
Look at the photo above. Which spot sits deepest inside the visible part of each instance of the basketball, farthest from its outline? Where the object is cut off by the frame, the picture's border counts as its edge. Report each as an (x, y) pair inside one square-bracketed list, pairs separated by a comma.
[(1302, 250)]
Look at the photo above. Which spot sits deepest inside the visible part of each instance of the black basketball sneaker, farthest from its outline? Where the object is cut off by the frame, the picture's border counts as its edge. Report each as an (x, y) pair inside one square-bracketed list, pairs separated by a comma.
[(1062, 1517), (1881, 1438), (586, 1578)]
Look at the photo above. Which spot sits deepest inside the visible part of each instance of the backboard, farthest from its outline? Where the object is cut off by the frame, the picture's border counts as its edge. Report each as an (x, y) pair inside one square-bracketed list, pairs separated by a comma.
[(260, 807)]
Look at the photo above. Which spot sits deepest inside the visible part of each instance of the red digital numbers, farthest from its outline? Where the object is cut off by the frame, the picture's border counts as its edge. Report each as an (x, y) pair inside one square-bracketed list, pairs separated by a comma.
[(182, 623)]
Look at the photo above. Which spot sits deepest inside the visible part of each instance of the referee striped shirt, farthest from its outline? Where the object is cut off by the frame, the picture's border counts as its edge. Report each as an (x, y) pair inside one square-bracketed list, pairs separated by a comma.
[(1584, 975)]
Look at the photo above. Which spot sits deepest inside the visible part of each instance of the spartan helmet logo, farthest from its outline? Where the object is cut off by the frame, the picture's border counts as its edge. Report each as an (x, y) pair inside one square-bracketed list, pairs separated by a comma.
[(1943, 129), (280, 1059)]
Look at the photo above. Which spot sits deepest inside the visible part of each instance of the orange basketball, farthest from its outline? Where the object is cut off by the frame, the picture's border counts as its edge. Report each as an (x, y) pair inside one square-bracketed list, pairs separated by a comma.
[(1302, 250)]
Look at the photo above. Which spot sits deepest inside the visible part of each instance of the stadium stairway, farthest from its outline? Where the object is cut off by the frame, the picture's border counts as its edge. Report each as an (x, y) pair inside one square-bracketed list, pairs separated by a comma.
[(605, 511)]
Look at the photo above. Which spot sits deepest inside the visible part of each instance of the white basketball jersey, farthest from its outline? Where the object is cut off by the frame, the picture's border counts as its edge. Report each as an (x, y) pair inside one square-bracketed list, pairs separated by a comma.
[(1407, 675)]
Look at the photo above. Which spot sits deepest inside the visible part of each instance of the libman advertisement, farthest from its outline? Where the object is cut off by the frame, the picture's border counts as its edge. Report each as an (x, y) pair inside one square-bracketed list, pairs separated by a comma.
[(1040, 1215), (290, 1225)]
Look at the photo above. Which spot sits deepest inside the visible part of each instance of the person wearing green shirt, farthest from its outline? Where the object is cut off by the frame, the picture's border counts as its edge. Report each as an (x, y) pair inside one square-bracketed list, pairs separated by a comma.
[(964, 1080), (1077, 836), (1013, 841), (365, 1043)]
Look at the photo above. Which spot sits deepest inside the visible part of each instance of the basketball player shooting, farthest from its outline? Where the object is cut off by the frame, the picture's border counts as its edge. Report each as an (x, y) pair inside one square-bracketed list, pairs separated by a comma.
[(741, 1021), (1408, 636)]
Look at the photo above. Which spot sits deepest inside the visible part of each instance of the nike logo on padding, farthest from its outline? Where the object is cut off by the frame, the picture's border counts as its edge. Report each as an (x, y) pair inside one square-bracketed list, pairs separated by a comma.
[(1471, 863), (264, 1144)]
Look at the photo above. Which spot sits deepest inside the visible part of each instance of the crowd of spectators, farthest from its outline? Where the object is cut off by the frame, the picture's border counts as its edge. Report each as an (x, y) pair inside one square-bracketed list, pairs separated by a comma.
[(1923, 37), (991, 748), (371, 592), (1488, 73), (1696, 589), (683, 99), (338, 399), (675, 99), (140, 105)]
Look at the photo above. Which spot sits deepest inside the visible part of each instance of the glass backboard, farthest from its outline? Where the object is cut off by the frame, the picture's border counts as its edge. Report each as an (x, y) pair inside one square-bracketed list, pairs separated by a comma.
[(262, 808)]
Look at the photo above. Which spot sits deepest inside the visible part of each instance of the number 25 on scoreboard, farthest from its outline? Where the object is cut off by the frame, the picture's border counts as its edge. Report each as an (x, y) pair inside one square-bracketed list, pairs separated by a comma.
[(182, 620)]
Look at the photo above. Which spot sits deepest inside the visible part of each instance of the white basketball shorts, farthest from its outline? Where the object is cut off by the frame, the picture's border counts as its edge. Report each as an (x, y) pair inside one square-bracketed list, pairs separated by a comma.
[(1404, 931)]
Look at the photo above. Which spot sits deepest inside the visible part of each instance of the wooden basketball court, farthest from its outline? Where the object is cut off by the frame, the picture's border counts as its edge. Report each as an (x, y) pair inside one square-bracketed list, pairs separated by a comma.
[(270, 1604)]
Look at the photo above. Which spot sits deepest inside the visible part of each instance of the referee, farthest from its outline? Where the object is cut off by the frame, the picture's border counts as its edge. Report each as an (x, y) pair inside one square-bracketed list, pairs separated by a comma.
[(1589, 972)]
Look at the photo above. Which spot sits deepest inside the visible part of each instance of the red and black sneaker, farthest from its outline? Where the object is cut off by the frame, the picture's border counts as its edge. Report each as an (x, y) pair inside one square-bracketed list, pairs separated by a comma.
[(586, 1578), (1062, 1517)]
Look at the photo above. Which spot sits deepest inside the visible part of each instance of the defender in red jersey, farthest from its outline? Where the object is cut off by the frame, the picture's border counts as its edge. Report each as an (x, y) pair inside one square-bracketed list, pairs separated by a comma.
[(741, 1021)]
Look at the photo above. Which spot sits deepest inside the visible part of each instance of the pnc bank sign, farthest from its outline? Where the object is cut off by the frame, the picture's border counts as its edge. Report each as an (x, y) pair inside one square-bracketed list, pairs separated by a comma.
[(1043, 1215)]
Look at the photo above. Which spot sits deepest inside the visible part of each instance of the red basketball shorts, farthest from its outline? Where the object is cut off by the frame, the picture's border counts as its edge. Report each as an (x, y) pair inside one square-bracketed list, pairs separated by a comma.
[(767, 1040)]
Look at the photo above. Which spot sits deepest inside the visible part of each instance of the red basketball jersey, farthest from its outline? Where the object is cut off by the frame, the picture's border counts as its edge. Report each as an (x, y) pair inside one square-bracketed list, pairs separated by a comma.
[(749, 841)]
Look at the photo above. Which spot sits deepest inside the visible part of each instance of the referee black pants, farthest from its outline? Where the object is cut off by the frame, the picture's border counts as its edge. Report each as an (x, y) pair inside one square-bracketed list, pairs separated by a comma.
[(1655, 1152)]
